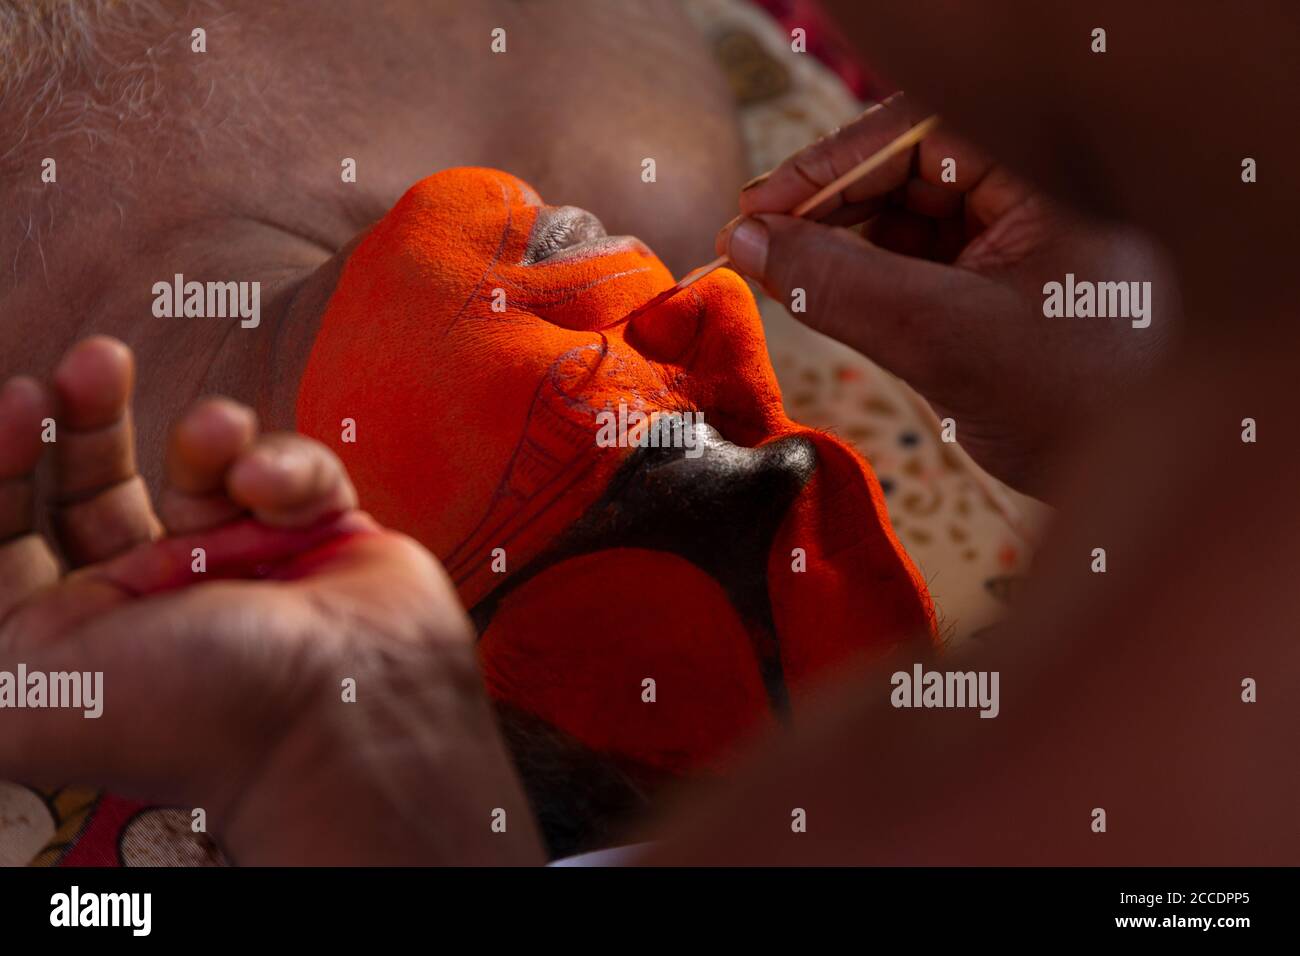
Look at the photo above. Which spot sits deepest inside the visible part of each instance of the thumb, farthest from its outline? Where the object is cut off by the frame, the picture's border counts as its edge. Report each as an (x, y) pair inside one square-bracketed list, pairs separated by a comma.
[(920, 320)]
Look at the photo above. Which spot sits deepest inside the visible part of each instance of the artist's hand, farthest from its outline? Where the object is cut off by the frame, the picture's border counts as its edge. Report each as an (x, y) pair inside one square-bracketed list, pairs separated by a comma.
[(946, 288), (224, 688)]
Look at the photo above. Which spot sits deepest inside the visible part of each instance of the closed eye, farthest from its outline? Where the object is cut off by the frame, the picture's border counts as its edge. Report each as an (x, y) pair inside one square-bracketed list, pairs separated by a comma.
[(558, 229)]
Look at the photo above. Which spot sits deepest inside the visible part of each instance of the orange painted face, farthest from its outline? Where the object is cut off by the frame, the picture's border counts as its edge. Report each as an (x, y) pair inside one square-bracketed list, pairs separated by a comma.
[(475, 370)]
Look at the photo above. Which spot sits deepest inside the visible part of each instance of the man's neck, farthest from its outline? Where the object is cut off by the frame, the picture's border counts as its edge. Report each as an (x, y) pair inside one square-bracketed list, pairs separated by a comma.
[(179, 357)]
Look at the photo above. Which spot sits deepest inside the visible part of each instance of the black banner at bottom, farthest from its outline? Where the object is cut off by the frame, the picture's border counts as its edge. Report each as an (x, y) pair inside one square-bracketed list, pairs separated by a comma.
[(570, 906)]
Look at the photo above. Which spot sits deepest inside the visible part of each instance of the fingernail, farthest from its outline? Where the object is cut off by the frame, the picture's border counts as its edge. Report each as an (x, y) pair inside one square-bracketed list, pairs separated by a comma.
[(761, 178), (748, 247), (723, 237)]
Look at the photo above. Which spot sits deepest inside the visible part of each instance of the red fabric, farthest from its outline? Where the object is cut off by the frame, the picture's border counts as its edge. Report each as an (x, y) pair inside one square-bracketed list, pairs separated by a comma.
[(827, 44), (97, 844)]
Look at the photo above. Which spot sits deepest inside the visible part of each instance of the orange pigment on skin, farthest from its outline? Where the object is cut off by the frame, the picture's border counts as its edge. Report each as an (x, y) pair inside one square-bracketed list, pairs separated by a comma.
[(475, 430)]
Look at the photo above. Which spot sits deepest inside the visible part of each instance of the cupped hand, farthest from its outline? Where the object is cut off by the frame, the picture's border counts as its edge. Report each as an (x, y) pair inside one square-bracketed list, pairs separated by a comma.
[(268, 653)]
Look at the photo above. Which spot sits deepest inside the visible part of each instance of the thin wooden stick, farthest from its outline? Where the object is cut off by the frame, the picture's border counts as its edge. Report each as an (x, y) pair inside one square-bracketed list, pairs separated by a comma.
[(988, 486), (872, 162), (904, 142)]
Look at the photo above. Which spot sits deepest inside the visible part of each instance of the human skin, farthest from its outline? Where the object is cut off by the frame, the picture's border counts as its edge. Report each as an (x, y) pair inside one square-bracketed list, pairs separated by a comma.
[(203, 219), (233, 169), (472, 343), (444, 391), (280, 730), (944, 287), (1122, 690), (881, 780), (226, 694)]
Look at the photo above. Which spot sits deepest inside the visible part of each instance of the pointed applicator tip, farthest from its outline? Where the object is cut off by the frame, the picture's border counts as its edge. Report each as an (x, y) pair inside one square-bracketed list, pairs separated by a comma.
[(662, 297), (900, 144), (695, 275)]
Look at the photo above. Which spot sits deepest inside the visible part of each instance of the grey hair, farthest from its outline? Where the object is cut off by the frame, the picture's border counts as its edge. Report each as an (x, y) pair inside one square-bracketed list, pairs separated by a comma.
[(61, 73), (76, 73)]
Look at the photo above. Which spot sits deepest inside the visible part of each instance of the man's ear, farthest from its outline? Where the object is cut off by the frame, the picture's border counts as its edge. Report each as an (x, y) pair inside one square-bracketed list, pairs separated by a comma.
[(297, 332)]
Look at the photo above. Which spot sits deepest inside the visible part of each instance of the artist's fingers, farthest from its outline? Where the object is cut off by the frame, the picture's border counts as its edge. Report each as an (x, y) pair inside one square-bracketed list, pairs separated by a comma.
[(202, 448), (849, 215), (949, 163), (904, 232), (936, 173), (103, 506), (289, 480), (997, 194), (929, 199), (26, 563), (919, 319), (814, 166)]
